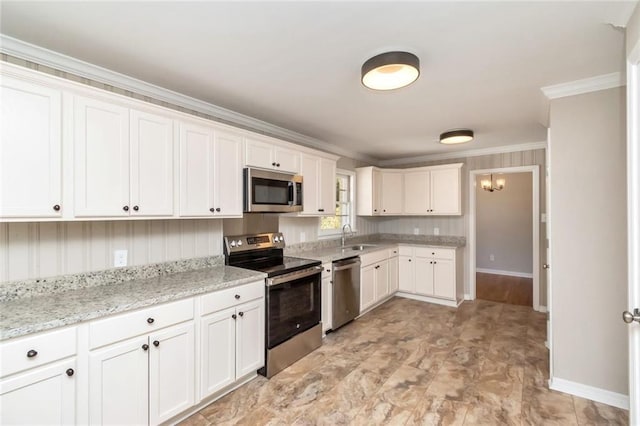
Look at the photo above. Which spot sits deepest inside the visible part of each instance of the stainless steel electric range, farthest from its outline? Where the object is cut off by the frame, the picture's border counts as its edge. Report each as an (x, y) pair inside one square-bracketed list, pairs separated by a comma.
[(292, 303)]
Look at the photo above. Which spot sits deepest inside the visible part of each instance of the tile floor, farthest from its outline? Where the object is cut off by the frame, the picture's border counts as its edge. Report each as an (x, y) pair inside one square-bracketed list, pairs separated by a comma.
[(414, 363)]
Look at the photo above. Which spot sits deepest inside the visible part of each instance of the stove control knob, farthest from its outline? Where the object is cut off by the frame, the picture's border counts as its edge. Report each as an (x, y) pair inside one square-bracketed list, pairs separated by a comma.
[(239, 243), (233, 243), (282, 238), (276, 239)]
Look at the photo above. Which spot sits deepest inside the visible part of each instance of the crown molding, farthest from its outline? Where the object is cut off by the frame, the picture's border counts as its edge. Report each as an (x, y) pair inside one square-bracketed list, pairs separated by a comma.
[(30, 52), (585, 85), (464, 154)]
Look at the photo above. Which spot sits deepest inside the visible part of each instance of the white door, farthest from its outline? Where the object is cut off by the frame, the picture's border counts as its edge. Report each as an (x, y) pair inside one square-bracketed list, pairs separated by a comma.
[(445, 191), (259, 154), (41, 396), (424, 276), (327, 298), (101, 155), (406, 274), (327, 183), (196, 170), (171, 372), (393, 274), (119, 383), (367, 287), (391, 193), (310, 171), (416, 193), (444, 278), (218, 351), (287, 160), (228, 174), (249, 338), (152, 165), (633, 199), (31, 131)]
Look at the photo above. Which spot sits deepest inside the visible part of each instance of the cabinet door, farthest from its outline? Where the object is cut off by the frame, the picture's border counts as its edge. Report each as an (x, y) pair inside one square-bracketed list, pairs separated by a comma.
[(393, 274), (327, 184), (376, 192), (288, 160), (101, 155), (310, 170), (218, 351), (445, 191), (151, 165), (327, 301), (391, 193), (424, 276), (406, 274), (171, 372), (119, 383), (40, 396), (416, 193), (31, 133), (444, 279), (196, 170), (250, 338), (382, 280), (367, 287), (259, 154), (228, 174)]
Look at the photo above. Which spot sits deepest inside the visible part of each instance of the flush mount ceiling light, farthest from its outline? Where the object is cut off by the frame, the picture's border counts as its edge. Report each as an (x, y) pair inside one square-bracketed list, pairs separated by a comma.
[(456, 136), (390, 70)]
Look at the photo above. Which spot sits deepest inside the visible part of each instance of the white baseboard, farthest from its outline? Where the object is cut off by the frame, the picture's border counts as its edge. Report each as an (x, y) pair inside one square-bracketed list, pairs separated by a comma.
[(501, 272), (467, 297), (451, 303), (542, 309), (589, 392)]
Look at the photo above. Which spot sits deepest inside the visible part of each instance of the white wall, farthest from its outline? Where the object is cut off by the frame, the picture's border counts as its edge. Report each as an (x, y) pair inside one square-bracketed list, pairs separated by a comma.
[(588, 238), (504, 224)]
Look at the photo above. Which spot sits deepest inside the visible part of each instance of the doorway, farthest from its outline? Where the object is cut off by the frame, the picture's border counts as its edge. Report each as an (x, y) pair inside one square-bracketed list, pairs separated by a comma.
[(504, 254)]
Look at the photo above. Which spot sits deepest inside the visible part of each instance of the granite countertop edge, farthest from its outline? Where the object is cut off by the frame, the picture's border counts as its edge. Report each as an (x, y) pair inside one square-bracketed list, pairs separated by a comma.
[(26, 316)]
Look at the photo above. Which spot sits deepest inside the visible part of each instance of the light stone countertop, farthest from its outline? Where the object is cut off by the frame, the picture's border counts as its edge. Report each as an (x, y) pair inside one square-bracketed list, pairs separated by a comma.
[(28, 315)]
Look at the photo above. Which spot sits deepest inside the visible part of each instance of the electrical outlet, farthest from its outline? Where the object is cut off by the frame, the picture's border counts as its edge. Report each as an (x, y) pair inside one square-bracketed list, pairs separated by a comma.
[(436, 231), (416, 231), (303, 237), (492, 258), (120, 258)]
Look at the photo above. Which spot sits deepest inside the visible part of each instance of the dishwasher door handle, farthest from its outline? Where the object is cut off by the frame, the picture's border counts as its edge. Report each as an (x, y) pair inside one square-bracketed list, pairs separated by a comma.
[(347, 266)]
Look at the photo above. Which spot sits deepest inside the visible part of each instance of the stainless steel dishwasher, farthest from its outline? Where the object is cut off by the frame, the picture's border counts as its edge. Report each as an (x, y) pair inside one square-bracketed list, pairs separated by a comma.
[(346, 291)]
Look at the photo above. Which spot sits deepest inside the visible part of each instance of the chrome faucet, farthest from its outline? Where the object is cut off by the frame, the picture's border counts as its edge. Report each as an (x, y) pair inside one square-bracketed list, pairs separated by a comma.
[(343, 233)]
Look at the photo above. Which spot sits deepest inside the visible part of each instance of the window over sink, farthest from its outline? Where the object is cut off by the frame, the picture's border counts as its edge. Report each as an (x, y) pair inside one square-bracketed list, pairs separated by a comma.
[(344, 205)]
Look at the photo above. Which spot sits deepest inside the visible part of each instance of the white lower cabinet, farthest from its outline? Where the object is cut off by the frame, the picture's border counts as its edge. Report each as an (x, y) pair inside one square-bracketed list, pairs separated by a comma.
[(393, 270), (327, 297), (374, 279), (232, 336)]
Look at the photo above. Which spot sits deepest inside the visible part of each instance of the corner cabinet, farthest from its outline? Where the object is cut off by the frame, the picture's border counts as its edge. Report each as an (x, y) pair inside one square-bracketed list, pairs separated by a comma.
[(422, 191), (319, 180)]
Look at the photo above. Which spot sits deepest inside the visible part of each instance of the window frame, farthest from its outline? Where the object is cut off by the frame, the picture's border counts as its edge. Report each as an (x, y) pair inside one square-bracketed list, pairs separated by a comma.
[(332, 233)]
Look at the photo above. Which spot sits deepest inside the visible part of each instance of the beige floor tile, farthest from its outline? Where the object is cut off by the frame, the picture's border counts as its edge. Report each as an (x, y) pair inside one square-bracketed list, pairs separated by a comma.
[(595, 413), (438, 411), (546, 407)]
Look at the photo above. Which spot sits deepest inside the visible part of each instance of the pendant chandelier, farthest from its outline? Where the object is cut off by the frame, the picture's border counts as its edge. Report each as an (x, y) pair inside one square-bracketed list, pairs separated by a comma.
[(487, 184)]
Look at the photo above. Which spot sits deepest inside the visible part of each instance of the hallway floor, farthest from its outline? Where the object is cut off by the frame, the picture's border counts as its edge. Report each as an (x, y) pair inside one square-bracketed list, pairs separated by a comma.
[(504, 289), (415, 363)]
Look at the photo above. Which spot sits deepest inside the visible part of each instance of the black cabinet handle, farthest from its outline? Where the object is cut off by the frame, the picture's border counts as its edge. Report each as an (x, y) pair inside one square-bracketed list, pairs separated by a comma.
[(273, 164), (136, 208), (150, 320), (125, 208), (409, 260), (212, 210), (241, 314), (384, 210), (145, 347), (278, 165), (32, 353), (328, 270), (57, 207), (434, 262), (217, 209), (430, 263), (237, 296), (234, 316), (70, 372), (156, 343), (320, 210), (377, 266)]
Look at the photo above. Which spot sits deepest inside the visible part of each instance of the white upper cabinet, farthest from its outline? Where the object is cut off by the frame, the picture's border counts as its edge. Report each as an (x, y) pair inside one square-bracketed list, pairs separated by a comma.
[(319, 176), (368, 189), (101, 153), (152, 165), (30, 150), (228, 174), (196, 170), (416, 192), (445, 191), (268, 156), (391, 193)]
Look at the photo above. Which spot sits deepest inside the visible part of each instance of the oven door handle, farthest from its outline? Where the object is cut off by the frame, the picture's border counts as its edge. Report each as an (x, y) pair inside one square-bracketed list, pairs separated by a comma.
[(294, 275)]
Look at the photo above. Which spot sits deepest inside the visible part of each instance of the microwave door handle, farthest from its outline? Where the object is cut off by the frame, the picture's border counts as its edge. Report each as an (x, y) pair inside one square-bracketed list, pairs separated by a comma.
[(292, 193)]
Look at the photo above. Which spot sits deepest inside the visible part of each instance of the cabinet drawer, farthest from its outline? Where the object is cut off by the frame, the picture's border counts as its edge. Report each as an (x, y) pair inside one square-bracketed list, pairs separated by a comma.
[(131, 324), (423, 251), (44, 348), (375, 257), (229, 297), (442, 253), (405, 251)]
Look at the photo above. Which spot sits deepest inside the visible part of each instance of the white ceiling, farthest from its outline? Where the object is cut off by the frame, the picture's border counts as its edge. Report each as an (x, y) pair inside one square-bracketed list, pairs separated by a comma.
[(297, 64)]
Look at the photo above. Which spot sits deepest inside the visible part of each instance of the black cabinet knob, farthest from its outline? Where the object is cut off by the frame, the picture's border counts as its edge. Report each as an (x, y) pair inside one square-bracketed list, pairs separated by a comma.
[(145, 347), (32, 353), (234, 316), (156, 343), (430, 263), (136, 208), (241, 314), (70, 372), (150, 320), (273, 164), (237, 296), (375, 210), (217, 209), (278, 165), (409, 260), (384, 210), (212, 210), (328, 270), (57, 207), (125, 208), (434, 262)]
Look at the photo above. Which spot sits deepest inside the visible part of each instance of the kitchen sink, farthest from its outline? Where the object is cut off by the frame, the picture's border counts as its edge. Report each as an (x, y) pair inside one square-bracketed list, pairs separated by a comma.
[(359, 247)]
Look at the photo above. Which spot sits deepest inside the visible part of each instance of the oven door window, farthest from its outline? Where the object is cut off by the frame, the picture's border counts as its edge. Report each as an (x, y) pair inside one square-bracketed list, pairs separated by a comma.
[(292, 308), (271, 192)]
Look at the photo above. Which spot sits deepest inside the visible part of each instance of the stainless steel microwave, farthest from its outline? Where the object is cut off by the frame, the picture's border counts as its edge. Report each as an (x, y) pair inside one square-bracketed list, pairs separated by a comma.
[(274, 192)]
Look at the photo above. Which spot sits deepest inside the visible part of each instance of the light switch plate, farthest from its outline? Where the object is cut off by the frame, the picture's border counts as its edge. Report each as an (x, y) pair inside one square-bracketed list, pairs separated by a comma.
[(119, 258), (416, 231), (436, 231)]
